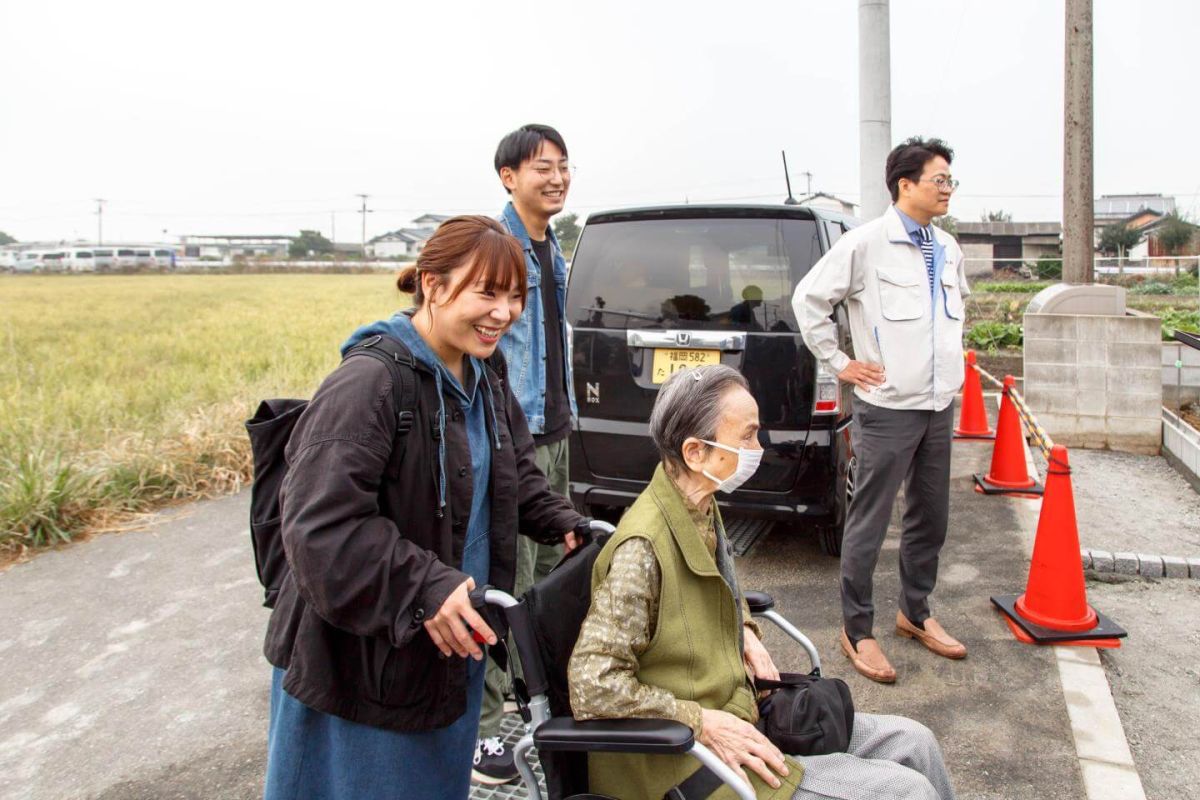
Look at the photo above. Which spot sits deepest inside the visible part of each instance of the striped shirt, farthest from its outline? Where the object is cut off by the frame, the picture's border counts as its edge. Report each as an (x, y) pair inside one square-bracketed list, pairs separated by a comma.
[(926, 234)]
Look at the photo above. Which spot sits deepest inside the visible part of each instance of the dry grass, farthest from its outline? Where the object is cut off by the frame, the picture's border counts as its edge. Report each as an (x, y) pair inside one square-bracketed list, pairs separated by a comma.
[(121, 393)]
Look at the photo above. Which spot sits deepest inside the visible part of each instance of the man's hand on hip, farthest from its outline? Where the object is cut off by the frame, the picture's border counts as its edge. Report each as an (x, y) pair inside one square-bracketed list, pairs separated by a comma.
[(863, 374)]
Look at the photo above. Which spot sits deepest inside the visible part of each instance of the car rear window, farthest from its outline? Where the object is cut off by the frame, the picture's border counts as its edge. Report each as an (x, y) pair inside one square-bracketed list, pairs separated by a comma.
[(698, 273)]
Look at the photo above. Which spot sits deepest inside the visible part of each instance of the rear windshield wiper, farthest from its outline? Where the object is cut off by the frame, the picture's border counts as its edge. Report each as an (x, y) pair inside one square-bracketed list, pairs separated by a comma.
[(622, 312)]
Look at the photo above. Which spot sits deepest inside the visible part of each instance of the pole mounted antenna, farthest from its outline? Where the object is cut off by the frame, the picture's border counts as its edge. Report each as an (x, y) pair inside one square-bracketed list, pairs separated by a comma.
[(790, 201)]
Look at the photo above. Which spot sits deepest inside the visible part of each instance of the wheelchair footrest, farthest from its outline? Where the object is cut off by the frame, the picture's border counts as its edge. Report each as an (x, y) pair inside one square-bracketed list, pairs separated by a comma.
[(614, 735)]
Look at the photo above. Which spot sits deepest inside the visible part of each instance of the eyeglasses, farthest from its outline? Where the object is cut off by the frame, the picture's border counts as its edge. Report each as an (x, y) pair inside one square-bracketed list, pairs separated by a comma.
[(547, 170), (942, 183)]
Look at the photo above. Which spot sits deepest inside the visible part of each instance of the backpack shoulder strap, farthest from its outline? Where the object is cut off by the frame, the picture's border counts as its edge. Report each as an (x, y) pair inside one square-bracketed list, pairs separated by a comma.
[(402, 366)]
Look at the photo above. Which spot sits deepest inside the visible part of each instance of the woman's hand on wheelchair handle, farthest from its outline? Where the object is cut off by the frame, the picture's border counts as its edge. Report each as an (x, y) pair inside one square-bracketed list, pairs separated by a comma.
[(447, 629), (738, 744)]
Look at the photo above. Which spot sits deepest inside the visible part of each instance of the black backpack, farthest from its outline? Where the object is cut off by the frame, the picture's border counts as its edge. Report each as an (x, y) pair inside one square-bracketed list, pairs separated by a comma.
[(269, 431)]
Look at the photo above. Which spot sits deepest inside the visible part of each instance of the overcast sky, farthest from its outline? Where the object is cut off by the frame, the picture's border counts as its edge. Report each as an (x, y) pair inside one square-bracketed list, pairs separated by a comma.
[(248, 116)]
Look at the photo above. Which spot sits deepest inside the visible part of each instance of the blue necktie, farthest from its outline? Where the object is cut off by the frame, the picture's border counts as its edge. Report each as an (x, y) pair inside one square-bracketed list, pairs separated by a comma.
[(927, 251)]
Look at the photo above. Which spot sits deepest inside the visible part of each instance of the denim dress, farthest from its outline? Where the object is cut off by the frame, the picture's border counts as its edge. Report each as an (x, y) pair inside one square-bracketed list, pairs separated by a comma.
[(318, 756)]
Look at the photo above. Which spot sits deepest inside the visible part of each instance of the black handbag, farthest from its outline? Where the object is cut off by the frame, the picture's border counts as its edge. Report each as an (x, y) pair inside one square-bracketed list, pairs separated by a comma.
[(806, 715)]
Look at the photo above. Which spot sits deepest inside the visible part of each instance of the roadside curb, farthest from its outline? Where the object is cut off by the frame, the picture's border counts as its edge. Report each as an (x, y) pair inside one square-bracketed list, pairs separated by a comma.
[(1147, 566)]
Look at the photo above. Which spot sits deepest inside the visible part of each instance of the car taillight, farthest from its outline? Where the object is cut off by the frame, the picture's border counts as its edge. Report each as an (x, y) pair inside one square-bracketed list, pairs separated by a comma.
[(825, 396)]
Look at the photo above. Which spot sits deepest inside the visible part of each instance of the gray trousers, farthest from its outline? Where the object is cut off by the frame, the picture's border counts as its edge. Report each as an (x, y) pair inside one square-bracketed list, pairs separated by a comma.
[(894, 447), (534, 562), (889, 757)]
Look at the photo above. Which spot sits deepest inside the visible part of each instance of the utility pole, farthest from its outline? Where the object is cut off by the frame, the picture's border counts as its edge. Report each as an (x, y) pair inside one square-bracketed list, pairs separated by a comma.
[(1078, 198), (364, 211), (333, 227), (100, 220), (809, 176), (874, 104)]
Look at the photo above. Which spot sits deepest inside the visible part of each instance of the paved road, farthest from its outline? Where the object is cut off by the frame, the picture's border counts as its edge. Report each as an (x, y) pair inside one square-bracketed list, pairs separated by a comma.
[(131, 665), (999, 714), (132, 668)]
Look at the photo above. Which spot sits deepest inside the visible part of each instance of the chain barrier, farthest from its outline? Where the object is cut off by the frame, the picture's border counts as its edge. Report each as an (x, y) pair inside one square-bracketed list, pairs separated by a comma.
[(1032, 427)]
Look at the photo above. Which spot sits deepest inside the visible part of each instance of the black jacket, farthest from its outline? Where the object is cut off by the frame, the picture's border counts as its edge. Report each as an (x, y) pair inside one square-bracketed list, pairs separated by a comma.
[(371, 553)]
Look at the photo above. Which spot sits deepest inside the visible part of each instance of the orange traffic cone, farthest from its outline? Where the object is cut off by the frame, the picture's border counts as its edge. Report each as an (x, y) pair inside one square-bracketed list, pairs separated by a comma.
[(1054, 607), (1008, 474), (972, 420)]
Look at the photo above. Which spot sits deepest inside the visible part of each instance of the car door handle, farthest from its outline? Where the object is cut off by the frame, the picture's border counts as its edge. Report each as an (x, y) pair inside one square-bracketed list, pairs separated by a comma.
[(699, 340)]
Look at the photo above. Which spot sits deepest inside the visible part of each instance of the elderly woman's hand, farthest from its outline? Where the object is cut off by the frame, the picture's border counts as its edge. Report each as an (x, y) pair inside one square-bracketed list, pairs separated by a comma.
[(738, 744), (757, 659)]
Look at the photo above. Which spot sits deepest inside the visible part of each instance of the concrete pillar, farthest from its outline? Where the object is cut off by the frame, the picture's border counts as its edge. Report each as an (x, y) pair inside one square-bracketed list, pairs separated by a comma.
[(874, 105), (1078, 197)]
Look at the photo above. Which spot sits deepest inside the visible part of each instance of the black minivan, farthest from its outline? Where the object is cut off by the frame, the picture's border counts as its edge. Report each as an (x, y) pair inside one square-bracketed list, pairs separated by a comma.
[(655, 290)]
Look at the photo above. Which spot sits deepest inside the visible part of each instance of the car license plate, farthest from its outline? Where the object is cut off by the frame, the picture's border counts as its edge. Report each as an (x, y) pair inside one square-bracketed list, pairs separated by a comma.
[(669, 361)]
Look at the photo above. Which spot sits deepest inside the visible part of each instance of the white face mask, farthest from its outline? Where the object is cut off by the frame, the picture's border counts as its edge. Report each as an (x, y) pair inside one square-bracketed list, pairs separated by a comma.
[(748, 461)]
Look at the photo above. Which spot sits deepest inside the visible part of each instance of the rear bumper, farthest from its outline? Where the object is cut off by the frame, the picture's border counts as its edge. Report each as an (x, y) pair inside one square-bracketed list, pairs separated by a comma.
[(774, 507)]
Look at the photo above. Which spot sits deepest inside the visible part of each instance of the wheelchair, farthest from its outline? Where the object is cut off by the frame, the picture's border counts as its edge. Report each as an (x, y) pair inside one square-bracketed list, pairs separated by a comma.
[(545, 621)]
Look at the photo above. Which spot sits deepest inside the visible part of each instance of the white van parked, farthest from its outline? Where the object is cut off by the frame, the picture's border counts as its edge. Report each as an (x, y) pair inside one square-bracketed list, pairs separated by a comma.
[(54, 261), (103, 258), (164, 258), (29, 261), (125, 258), (81, 261)]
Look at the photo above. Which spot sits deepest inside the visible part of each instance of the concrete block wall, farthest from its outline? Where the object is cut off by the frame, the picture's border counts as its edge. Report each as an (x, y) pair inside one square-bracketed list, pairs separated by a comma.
[(1186, 378), (1096, 381)]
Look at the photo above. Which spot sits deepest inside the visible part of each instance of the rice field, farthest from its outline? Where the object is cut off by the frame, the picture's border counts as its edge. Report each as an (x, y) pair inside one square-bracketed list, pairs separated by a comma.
[(120, 393)]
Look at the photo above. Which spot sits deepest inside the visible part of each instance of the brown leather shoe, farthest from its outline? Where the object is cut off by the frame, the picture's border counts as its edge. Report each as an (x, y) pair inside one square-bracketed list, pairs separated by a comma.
[(933, 637), (869, 659)]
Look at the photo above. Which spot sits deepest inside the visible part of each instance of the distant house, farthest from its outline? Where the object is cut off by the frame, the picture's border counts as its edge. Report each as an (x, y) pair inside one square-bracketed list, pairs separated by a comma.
[(406, 242), (828, 202), (430, 220), (223, 247), (402, 243), (989, 246), (1150, 247), (1110, 208), (1135, 210)]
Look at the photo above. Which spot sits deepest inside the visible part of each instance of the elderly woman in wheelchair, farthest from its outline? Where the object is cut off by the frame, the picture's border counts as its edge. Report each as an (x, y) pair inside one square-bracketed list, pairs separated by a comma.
[(669, 634)]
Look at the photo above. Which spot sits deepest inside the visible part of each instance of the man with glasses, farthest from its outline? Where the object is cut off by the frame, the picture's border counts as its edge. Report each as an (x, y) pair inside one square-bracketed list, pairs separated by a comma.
[(532, 165), (903, 283)]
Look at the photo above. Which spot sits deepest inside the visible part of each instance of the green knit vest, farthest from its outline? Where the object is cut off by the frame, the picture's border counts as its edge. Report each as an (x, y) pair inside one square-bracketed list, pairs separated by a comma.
[(696, 650)]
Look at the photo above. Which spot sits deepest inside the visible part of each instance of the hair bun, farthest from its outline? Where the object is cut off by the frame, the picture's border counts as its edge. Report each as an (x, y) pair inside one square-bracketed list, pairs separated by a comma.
[(407, 280)]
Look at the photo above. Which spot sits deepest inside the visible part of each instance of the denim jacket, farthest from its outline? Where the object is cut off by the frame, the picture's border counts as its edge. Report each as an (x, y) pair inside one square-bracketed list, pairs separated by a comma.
[(524, 345)]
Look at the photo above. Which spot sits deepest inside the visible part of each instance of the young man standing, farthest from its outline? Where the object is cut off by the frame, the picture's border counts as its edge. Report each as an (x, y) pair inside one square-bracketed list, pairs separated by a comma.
[(903, 283), (532, 164)]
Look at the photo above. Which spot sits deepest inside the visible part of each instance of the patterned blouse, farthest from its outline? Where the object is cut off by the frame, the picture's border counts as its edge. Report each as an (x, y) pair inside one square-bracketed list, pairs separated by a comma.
[(603, 669)]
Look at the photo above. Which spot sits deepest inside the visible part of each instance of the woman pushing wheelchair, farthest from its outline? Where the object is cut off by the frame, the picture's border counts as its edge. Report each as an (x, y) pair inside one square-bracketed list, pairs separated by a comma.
[(377, 678), (669, 634)]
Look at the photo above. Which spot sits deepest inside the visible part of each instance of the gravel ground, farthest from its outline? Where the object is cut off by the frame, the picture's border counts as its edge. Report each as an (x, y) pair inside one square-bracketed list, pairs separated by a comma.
[(1141, 504), (1133, 504), (1155, 678)]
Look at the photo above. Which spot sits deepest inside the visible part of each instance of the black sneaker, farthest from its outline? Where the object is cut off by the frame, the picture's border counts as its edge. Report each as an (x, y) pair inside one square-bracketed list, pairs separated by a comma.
[(494, 763)]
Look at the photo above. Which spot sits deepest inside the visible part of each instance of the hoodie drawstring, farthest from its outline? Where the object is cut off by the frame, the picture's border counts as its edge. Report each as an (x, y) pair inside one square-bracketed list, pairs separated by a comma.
[(491, 404), (441, 419)]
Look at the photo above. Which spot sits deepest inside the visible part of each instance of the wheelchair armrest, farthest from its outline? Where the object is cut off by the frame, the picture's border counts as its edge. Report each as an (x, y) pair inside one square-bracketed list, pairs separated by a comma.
[(656, 736), (763, 605), (759, 601)]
